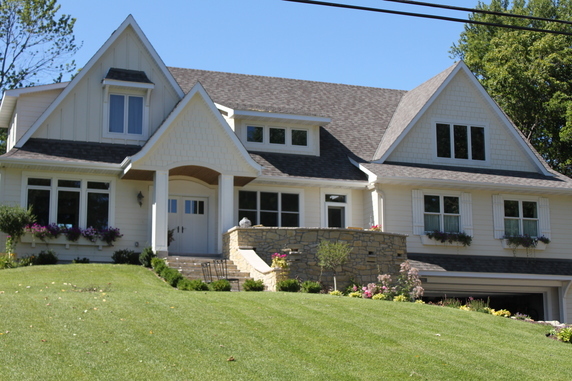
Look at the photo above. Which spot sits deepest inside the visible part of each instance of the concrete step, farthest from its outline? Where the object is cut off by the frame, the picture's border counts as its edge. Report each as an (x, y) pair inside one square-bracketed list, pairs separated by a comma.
[(191, 268)]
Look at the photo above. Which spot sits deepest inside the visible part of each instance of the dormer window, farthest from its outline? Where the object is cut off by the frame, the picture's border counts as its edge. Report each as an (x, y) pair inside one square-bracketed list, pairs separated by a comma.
[(277, 136), (126, 104)]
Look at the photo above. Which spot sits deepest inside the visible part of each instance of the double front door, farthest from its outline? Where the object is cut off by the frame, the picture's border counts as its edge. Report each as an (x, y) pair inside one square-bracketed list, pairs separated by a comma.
[(188, 225)]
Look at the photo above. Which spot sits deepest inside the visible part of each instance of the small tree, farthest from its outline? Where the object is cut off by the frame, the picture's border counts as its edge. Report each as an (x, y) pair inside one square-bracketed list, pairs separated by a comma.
[(13, 221), (333, 254)]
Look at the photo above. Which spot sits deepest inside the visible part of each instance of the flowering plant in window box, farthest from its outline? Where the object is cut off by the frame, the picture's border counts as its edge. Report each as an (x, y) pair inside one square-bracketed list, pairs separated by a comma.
[(72, 233), (54, 230), (444, 237), (279, 261), (525, 241), (91, 234), (38, 231), (109, 235)]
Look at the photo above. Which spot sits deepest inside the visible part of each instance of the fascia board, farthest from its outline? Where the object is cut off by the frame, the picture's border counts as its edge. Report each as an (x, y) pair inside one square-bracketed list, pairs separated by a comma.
[(292, 117), (129, 21), (56, 163), (310, 182), (472, 185), (419, 114), (515, 276), (197, 89), (372, 177)]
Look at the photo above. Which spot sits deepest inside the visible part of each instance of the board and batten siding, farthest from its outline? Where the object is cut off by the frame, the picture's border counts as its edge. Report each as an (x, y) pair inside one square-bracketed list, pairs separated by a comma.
[(461, 103), (79, 116)]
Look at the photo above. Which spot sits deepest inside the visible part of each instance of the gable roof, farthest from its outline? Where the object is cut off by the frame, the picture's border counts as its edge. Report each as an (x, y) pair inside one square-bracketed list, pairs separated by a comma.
[(128, 23)]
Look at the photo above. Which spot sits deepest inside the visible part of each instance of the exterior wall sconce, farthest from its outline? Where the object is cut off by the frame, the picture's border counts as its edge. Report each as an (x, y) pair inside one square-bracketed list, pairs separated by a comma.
[(140, 198)]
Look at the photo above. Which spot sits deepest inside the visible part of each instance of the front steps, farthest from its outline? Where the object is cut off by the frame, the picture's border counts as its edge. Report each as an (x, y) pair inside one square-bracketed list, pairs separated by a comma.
[(191, 268)]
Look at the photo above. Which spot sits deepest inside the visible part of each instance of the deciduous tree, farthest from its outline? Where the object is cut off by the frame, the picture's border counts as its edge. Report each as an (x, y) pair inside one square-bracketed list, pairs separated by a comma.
[(529, 74)]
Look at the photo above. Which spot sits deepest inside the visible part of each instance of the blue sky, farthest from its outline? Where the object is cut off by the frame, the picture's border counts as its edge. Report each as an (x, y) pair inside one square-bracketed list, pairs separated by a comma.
[(283, 39)]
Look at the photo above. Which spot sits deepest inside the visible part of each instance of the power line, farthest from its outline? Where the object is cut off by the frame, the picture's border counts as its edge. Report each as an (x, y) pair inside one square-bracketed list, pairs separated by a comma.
[(421, 15), (482, 11)]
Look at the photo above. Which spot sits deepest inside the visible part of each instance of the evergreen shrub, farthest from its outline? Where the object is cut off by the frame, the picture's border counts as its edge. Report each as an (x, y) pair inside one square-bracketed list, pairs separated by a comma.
[(288, 285), (253, 285)]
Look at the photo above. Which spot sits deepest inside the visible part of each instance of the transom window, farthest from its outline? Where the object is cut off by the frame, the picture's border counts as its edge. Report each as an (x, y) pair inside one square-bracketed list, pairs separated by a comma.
[(269, 208), (75, 202), (441, 213), (460, 141), (520, 218)]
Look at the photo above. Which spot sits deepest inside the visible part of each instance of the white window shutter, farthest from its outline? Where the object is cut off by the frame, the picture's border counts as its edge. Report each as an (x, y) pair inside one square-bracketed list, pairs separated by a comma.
[(418, 208), (544, 217), (466, 210), (498, 216)]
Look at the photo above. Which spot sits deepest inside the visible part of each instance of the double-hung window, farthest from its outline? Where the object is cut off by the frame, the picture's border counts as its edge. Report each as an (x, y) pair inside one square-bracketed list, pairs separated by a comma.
[(441, 213), (520, 218), (269, 208), (457, 141), (69, 202), (125, 114)]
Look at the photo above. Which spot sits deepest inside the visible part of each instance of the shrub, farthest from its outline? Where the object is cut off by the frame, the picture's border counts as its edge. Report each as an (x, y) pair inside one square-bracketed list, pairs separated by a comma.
[(381, 297), (7, 262), (146, 256), (253, 285), (563, 334), (46, 258), (192, 285), (336, 293), (26, 261), (311, 287), (288, 285), (220, 285), (158, 264), (331, 255), (503, 313), (401, 298), (172, 276), (355, 294), (13, 222), (125, 256), (80, 260)]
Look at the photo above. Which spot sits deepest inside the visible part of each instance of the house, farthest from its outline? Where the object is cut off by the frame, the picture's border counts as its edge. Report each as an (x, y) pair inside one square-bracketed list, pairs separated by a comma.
[(151, 149)]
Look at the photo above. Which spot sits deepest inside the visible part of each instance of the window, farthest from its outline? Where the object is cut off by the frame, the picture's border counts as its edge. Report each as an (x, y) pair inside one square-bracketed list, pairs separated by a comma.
[(442, 210), (194, 207), (515, 215), (441, 213), (277, 135), (460, 142), (269, 208), (77, 202), (520, 218), (336, 210), (125, 114)]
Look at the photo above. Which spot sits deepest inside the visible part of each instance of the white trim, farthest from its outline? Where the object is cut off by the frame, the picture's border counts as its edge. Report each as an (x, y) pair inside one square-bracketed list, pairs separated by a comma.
[(418, 210), (301, 181), (515, 276), (255, 188), (543, 212), (128, 22), (347, 205), (295, 118), (312, 134), (162, 130)]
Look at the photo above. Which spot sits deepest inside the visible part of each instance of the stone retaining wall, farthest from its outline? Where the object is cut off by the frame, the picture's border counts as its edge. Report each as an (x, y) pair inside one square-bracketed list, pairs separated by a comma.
[(373, 252)]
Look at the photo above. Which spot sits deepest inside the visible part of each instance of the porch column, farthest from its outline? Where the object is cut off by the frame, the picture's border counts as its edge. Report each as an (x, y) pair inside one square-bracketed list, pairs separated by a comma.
[(225, 206), (159, 213), (376, 205)]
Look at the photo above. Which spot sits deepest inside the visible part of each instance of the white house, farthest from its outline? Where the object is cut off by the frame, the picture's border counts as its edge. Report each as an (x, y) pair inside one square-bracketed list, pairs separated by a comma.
[(134, 144)]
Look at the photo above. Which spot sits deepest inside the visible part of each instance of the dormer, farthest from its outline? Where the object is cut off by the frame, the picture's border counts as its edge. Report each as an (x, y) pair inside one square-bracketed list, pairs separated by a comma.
[(276, 132), (126, 97)]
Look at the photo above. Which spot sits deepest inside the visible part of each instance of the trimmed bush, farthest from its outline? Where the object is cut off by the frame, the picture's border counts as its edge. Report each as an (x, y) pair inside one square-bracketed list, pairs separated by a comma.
[(46, 258), (220, 285), (192, 285), (172, 276), (311, 287), (253, 285), (80, 260), (7, 262), (288, 285), (146, 256), (126, 256), (157, 263)]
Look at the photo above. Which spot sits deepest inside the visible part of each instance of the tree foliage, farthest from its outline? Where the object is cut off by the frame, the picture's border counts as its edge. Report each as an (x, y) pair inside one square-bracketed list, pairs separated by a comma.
[(331, 255), (13, 221), (529, 74), (35, 42)]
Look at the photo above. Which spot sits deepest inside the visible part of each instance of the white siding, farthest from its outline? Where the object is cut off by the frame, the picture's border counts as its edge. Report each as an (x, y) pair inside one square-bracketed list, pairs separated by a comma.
[(80, 115), (460, 102)]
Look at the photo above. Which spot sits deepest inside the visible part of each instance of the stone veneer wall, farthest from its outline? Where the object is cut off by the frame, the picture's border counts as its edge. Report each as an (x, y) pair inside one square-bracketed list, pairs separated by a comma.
[(373, 252)]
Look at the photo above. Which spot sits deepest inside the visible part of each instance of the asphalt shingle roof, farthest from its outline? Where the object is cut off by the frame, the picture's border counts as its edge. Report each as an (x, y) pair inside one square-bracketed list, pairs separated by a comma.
[(490, 264)]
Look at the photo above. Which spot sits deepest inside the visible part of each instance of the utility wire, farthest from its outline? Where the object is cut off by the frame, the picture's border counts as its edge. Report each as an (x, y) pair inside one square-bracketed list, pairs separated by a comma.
[(464, 21), (474, 10)]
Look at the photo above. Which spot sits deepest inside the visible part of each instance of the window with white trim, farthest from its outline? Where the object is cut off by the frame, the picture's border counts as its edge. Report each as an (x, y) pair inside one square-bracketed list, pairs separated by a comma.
[(457, 141), (279, 209), (521, 215), (125, 114), (69, 202), (441, 210), (286, 136)]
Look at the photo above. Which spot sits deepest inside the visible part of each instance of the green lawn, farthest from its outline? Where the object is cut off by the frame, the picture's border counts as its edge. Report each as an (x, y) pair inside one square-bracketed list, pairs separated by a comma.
[(120, 322)]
